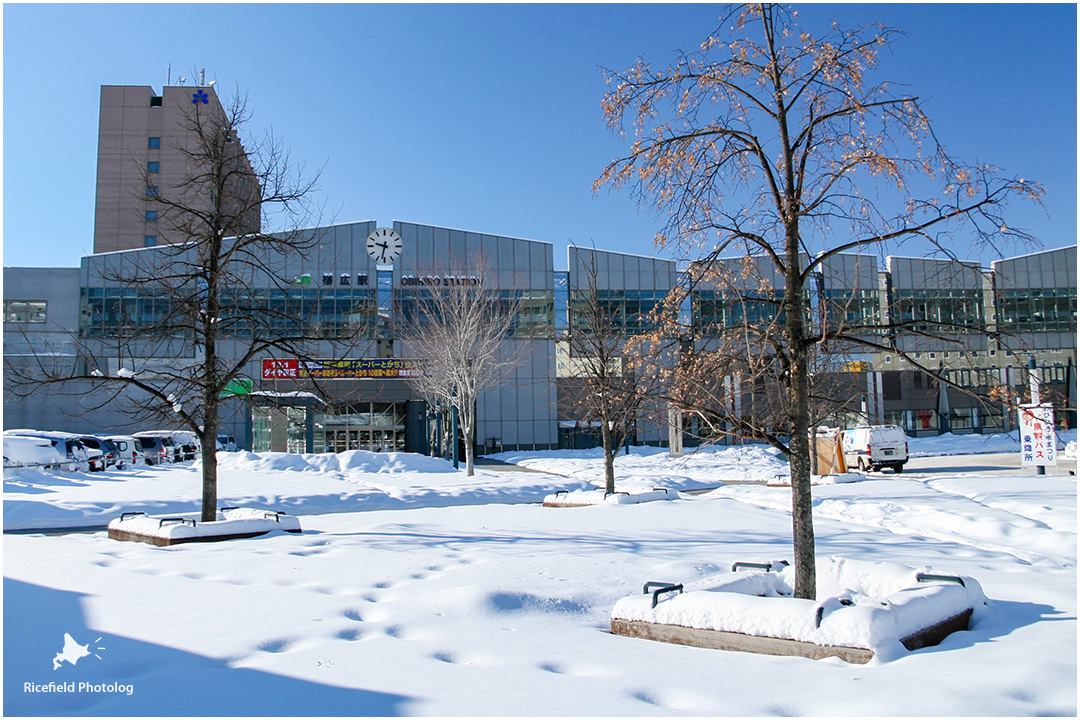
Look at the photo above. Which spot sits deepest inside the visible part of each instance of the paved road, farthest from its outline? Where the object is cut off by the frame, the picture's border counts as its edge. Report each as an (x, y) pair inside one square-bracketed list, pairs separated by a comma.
[(990, 464)]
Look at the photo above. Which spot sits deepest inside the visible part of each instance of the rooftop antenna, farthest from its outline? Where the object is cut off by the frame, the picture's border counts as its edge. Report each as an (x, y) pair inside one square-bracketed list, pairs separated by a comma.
[(169, 81), (202, 77)]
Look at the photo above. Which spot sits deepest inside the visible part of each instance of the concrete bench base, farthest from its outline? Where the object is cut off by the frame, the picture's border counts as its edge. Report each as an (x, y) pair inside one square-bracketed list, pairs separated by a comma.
[(128, 536), (719, 640)]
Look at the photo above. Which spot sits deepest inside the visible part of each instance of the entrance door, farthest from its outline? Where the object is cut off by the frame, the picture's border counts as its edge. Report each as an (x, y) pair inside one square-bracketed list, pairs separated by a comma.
[(377, 427)]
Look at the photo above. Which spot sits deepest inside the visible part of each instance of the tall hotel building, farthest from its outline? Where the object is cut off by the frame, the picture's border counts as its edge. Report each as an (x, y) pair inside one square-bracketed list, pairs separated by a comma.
[(143, 138)]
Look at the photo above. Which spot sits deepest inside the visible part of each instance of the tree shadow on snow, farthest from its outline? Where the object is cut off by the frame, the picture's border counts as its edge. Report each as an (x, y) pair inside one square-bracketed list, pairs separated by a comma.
[(165, 681)]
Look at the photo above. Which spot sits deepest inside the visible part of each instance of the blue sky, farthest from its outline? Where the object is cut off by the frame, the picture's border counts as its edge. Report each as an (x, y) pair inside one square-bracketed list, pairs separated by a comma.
[(485, 117)]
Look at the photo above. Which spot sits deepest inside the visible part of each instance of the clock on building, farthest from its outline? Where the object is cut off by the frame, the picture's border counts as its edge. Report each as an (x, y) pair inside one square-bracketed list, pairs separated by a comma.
[(384, 245)]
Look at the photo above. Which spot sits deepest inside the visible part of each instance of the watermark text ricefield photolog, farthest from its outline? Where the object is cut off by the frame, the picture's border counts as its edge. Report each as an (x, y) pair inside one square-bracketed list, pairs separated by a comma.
[(81, 687)]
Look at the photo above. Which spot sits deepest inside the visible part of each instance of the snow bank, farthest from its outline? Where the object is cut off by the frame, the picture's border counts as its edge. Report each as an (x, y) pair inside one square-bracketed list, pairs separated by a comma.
[(352, 481), (361, 461), (648, 467), (972, 444), (861, 604)]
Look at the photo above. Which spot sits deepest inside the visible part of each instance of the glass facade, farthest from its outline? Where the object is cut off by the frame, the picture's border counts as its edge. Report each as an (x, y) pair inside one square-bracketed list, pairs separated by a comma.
[(329, 313), (535, 317), (562, 303), (630, 311), (374, 426), (23, 311), (279, 429), (1037, 310), (942, 310), (851, 308), (714, 309)]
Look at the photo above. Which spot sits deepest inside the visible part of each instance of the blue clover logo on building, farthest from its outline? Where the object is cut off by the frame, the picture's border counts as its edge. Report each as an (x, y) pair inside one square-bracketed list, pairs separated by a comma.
[(198, 97)]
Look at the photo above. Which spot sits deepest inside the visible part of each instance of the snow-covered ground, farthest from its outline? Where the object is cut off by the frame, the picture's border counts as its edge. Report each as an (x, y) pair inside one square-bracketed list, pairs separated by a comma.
[(414, 590)]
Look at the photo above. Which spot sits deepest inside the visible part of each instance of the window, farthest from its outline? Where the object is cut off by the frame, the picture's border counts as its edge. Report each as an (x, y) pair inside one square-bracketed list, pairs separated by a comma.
[(151, 216), (24, 311), (154, 142), (155, 101), (151, 191), (152, 166), (150, 241), (888, 358)]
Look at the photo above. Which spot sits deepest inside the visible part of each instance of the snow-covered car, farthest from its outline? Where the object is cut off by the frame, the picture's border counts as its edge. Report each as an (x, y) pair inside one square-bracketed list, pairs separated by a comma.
[(226, 442), (30, 451), (80, 457), (128, 449)]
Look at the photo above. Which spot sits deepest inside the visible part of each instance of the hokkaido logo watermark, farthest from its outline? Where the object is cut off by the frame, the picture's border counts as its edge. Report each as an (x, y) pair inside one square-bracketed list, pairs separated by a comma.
[(71, 653)]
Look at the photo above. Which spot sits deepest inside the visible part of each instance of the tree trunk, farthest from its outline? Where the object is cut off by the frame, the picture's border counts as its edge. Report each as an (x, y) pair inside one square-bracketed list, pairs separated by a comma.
[(466, 423), (802, 510), (209, 484), (468, 457), (609, 457), (209, 462)]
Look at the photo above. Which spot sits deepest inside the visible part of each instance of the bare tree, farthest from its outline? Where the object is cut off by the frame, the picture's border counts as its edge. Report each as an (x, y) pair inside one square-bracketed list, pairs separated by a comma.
[(723, 366), (783, 147), (191, 316), (459, 330), (603, 387)]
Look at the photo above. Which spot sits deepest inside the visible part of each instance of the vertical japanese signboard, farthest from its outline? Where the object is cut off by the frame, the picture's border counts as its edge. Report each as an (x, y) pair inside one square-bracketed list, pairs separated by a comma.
[(1038, 441)]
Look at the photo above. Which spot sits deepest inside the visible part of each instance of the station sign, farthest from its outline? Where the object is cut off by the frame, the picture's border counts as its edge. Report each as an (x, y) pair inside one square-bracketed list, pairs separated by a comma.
[(1038, 441), (351, 369)]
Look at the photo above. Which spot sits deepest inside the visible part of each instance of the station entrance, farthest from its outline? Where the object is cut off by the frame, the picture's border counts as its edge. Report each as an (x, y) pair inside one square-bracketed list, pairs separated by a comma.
[(311, 426), (378, 427)]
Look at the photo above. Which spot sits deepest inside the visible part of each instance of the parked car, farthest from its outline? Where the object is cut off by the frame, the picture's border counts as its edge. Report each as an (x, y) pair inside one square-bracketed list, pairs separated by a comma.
[(30, 451), (79, 456), (874, 447), (128, 449), (185, 446), (226, 442), (110, 456), (155, 450)]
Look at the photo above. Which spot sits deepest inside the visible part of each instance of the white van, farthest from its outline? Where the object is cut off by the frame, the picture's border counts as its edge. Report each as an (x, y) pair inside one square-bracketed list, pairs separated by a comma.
[(875, 447), (129, 449)]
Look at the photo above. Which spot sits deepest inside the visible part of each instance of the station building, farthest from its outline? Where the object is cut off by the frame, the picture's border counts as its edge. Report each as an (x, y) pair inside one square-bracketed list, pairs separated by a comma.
[(75, 315)]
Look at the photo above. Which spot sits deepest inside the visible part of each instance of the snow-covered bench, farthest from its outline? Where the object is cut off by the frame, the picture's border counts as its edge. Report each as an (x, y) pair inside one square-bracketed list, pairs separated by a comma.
[(866, 609), (231, 523)]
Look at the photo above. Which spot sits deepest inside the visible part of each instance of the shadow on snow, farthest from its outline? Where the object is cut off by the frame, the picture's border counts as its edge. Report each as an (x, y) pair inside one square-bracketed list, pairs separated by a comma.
[(166, 681)]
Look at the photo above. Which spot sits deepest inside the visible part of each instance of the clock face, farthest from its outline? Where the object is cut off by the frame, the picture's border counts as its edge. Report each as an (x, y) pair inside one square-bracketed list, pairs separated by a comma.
[(384, 245)]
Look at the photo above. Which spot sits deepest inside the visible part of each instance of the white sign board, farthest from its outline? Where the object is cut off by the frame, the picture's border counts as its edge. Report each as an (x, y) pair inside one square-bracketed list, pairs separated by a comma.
[(1038, 441)]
